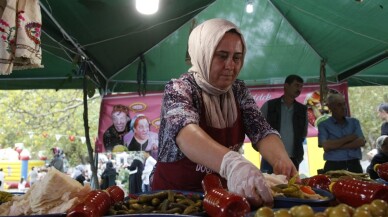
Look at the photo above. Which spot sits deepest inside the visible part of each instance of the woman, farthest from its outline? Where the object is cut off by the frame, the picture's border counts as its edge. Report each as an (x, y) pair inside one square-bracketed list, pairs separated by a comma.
[(205, 116), (143, 139), (135, 171), (108, 177), (22, 185), (381, 156)]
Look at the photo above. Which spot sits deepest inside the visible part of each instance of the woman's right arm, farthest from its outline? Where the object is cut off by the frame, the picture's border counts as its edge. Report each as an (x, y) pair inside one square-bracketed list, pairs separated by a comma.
[(200, 148)]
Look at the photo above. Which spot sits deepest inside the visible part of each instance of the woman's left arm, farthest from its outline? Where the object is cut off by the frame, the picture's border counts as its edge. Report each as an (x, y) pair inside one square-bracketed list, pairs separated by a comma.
[(264, 138), (272, 149)]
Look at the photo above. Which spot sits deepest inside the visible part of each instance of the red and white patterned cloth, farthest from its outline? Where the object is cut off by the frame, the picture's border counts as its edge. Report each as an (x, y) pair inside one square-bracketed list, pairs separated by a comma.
[(20, 30)]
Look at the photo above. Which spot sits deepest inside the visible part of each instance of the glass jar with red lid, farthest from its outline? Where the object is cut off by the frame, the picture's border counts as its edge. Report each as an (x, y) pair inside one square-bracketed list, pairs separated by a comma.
[(357, 192), (95, 204), (218, 202)]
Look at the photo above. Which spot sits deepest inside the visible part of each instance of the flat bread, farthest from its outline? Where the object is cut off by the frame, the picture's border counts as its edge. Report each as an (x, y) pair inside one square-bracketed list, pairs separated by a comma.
[(55, 193)]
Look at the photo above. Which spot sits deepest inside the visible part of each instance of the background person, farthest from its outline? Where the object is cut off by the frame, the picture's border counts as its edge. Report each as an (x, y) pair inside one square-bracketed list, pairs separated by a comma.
[(289, 117), (380, 157), (135, 171), (2, 176), (205, 116), (115, 133), (341, 137), (81, 178), (108, 177), (33, 176), (143, 139), (383, 114), (148, 167), (57, 161), (22, 185)]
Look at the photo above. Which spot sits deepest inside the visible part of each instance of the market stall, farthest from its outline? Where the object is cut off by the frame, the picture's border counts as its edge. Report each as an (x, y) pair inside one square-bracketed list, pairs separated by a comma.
[(327, 194)]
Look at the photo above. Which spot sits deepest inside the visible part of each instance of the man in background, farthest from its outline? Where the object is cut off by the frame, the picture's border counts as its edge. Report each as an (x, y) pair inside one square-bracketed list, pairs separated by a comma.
[(289, 118), (341, 137)]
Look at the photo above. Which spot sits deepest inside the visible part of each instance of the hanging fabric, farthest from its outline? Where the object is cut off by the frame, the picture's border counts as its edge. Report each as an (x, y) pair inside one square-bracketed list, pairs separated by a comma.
[(20, 29), (141, 76), (323, 89), (188, 58)]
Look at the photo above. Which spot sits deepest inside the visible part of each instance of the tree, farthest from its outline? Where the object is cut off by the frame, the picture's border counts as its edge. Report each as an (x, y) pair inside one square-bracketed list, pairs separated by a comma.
[(43, 119), (363, 102)]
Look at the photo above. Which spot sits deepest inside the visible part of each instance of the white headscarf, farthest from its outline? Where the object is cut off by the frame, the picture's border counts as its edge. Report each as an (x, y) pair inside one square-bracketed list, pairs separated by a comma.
[(220, 105), (380, 141)]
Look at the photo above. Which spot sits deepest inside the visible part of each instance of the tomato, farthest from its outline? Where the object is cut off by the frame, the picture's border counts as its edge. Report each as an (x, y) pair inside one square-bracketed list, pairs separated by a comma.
[(307, 189)]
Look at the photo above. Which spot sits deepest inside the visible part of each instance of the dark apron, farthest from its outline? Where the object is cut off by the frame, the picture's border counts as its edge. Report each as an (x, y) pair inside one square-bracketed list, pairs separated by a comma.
[(187, 175)]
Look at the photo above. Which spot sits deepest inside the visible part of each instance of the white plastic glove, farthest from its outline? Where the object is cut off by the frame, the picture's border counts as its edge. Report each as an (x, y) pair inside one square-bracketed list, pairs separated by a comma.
[(245, 179)]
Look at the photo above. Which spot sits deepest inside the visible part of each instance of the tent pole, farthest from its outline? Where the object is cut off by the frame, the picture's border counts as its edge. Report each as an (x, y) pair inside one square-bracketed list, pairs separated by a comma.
[(76, 45), (354, 70), (93, 163)]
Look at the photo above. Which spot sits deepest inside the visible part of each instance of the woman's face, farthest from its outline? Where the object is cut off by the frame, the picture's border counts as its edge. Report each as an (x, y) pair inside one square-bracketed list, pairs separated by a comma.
[(119, 120), (383, 115), (227, 61), (142, 129)]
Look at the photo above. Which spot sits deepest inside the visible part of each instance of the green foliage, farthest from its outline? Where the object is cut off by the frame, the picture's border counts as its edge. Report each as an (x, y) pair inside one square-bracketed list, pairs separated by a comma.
[(35, 117), (363, 103)]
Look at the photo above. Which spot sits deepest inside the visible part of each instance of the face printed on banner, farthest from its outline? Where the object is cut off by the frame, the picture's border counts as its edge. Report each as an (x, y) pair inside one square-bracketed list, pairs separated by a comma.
[(119, 121), (142, 128)]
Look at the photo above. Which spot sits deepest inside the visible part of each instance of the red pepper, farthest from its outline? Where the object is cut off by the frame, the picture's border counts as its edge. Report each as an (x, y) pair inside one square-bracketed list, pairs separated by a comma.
[(382, 170), (307, 189), (318, 181), (356, 192), (219, 202)]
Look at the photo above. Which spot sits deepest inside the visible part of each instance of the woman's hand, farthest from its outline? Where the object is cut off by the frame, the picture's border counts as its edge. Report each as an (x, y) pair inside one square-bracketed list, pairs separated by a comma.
[(245, 179), (285, 167), (272, 149)]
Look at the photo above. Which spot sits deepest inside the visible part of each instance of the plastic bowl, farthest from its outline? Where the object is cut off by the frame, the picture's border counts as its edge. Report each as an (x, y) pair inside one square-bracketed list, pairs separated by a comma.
[(286, 202)]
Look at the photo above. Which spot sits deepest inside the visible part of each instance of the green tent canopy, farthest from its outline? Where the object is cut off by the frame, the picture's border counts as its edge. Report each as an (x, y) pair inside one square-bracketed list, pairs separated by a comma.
[(108, 40)]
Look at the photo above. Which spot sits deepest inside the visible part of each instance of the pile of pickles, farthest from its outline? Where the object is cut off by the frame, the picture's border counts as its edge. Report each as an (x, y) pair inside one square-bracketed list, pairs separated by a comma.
[(167, 202), (377, 208), (5, 197)]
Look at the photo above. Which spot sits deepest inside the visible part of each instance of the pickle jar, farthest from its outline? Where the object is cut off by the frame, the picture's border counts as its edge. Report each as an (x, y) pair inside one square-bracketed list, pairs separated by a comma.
[(357, 192)]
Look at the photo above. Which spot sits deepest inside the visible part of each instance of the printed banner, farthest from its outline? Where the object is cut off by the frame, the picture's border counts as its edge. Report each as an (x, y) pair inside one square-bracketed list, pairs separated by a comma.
[(136, 129)]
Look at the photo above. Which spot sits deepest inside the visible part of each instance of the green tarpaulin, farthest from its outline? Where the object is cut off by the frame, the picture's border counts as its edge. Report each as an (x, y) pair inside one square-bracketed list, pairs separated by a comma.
[(106, 39)]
